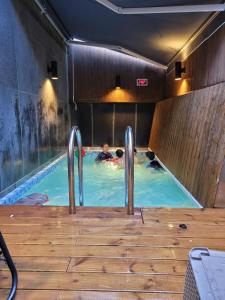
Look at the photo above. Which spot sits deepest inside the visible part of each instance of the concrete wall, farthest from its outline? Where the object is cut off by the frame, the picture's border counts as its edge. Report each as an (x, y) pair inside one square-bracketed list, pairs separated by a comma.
[(31, 127)]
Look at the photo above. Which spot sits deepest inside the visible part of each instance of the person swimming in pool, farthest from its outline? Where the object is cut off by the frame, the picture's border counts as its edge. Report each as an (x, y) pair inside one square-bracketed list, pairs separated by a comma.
[(105, 154), (119, 157), (153, 162)]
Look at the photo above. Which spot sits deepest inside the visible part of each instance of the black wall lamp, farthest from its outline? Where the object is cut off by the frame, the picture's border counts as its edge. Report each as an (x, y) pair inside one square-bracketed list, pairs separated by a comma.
[(179, 70), (53, 70), (118, 82)]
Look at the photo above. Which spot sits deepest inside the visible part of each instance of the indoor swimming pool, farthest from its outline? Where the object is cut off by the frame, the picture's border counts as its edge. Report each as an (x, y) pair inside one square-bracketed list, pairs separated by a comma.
[(104, 185)]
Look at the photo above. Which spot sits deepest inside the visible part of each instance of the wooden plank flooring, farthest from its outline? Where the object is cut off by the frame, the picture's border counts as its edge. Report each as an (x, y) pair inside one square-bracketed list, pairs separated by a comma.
[(101, 253)]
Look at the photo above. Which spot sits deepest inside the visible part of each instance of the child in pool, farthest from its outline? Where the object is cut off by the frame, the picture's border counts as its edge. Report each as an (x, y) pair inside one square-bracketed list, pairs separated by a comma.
[(153, 162), (119, 157), (105, 154)]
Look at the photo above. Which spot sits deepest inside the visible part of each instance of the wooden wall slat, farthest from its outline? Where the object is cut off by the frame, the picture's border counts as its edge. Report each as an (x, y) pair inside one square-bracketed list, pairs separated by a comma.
[(188, 135)]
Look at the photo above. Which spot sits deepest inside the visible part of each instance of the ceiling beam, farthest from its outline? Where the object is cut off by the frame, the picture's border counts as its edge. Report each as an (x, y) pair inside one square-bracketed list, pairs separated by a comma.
[(162, 9), (48, 16)]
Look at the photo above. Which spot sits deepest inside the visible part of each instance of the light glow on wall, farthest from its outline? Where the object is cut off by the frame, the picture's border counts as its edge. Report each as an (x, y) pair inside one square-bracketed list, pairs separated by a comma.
[(184, 87), (49, 103), (118, 95)]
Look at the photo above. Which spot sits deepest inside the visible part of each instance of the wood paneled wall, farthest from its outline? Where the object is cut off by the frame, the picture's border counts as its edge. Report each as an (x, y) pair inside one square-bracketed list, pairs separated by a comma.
[(204, 67), (188, 135), (106, 122), (93, 71)]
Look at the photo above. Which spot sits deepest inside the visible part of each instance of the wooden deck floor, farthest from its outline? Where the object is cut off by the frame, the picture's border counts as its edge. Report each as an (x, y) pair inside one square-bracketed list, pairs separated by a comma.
[(101, 253)]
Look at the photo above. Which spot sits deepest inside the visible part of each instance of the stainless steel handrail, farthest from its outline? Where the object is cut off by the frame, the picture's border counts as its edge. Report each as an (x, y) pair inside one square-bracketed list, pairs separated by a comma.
[(75, 133), (129, 170)]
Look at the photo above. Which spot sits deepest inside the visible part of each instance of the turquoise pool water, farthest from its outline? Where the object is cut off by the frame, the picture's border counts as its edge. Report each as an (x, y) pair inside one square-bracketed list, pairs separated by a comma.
[(104, 185)]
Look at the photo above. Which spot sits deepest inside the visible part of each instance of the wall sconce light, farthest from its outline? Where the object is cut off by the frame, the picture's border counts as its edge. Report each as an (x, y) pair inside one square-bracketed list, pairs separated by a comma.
[(118, 82), (53, 70), (179, 70)]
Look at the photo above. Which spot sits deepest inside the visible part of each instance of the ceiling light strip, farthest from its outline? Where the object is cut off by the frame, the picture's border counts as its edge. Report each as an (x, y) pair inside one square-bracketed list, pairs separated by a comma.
[(162, 9)]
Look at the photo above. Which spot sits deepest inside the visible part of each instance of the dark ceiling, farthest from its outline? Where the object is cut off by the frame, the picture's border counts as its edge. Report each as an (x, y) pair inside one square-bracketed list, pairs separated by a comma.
[(157, 36)]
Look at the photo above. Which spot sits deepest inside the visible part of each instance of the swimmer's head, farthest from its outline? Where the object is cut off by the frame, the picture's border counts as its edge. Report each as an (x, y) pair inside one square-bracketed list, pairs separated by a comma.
[(105, 147), (150, 155), (119, 153)]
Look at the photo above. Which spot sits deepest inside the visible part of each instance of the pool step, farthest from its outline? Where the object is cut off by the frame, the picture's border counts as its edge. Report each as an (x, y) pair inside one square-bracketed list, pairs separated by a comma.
[(33, 199)]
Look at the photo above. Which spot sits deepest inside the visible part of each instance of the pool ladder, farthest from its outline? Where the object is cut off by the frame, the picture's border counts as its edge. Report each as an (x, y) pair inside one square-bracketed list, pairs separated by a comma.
[(75, 133), (129, 169), (6, 257)]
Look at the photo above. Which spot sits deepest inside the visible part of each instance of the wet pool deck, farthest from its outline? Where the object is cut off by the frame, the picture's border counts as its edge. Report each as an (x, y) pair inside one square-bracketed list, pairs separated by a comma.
[(101, 253)]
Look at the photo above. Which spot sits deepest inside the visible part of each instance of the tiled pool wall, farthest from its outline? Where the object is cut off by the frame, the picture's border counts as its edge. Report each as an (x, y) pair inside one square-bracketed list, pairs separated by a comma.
[(16, 194)]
